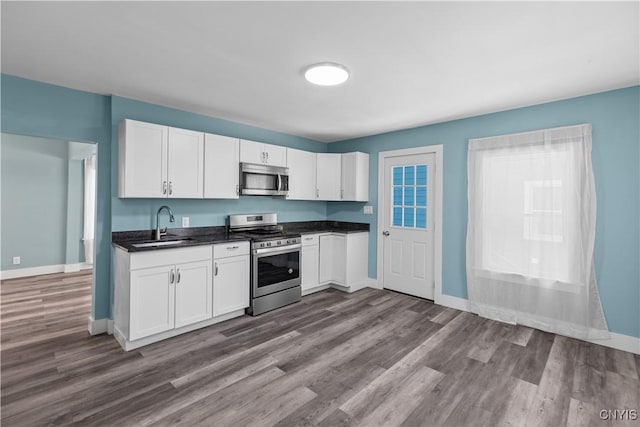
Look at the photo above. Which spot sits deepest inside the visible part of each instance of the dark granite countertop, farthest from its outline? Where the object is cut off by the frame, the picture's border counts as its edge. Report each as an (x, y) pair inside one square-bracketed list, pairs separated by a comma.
[(195, 236), (192, 236)]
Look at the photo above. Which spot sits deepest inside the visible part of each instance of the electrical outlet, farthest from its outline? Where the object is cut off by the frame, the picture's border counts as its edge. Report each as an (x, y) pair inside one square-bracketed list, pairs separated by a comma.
[(185, 221), (368, 210), (16, 260)]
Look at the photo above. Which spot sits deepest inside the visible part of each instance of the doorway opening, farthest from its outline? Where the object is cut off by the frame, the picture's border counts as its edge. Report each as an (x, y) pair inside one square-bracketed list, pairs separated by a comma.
[(48, 220)]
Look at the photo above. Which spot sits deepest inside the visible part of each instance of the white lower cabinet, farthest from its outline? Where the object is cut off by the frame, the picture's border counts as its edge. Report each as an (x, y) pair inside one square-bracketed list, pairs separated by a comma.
[(162, 293), (231, 280), (344, 260)]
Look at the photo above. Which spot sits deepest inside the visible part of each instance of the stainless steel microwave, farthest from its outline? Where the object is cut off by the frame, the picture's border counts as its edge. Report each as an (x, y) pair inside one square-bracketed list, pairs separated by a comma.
[(263, 180)]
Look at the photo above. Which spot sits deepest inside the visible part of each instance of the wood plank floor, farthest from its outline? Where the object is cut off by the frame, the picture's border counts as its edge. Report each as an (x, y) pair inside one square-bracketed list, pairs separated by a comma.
[(372, 358)]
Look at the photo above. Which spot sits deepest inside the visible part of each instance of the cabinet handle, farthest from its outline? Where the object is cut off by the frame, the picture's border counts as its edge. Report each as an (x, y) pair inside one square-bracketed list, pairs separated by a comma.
[(215, 269), (170, 188), (172, 278), (231, 248), (178, 281), (342, 194), (308, 238), (317, 193), (267, 153), (237, 189), (164, 187), (262, 156)]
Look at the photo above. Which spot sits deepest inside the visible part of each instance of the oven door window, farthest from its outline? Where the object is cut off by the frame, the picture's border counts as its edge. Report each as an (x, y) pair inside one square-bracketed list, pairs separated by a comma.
[(274, 269)]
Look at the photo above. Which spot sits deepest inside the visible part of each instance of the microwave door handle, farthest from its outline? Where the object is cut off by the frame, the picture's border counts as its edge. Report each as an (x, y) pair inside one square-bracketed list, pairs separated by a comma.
[(279, 182)]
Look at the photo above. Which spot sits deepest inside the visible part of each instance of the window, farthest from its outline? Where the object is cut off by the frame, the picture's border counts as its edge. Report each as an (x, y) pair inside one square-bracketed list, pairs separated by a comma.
[(409, 195), (531, 231)]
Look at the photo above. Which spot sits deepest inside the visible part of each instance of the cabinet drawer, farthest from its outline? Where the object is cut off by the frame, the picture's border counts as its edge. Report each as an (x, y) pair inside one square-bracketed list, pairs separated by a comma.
[(159, 257), (310, 239), (225, 250)]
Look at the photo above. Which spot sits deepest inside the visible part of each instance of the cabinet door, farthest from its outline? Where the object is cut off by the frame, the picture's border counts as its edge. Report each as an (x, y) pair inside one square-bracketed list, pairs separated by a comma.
[(221, 174), (151, 301), (309, 268), (339, 261), (193, 292), (230, 284), (142, 160), (186, 164), (275, 155), (355, 177), (329, 176), (302, 174), (326, 259), (251, 152)]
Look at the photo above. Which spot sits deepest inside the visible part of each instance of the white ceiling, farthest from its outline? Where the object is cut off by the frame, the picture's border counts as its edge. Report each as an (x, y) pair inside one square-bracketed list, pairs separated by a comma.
[(412, 63)]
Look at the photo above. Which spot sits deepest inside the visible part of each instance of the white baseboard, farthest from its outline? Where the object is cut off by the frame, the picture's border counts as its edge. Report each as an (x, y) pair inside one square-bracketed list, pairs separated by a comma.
[(72, 268), (620, 342), (99, 326), (45, 269), (617, 341)]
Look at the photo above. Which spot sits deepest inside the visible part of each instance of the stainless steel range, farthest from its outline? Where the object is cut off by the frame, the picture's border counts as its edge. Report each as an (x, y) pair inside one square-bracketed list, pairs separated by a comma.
[(275, 261)]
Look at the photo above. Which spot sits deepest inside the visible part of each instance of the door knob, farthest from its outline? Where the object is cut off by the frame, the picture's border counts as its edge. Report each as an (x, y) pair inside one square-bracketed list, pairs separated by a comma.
[(385, 233)]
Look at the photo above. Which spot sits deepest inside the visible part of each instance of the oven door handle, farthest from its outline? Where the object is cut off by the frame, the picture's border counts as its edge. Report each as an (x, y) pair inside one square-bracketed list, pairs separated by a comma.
[(277, 250)]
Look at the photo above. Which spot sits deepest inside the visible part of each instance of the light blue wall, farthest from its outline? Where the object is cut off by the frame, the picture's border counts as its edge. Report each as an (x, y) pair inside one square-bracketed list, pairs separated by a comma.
[(39, 109), (34, 201), (139, 214), (616, 162)]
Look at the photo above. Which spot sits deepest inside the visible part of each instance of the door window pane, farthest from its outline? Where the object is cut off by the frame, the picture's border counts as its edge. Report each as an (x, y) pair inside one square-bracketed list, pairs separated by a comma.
[(397, 175), (408, 196), (421, 218), (397, 217), (421, 196), (409, 175), (421, 174), (408, 217), (397, 196)]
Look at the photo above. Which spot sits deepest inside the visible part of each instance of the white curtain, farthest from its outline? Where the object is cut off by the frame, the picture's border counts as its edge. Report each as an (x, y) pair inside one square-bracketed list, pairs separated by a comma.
[(89, 207), (531, 231)]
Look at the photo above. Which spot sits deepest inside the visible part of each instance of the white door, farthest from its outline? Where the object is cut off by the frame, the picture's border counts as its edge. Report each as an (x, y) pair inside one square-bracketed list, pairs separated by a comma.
[(152, 301), (302, 174), (193, 293), (230, 284), (221, 171), (408, 224), (329, 173), (186, 164)]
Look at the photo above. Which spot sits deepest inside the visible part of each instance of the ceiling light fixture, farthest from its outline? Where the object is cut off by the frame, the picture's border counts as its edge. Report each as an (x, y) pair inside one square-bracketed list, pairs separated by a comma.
[(326, 74)]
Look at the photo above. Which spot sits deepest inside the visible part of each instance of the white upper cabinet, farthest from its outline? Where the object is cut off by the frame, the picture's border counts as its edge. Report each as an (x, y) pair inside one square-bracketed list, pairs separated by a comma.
[(329, 172), (260, 153), (302, 174), (159, 162), (355, 177), (221, 172), (142, 159), (186, 164)]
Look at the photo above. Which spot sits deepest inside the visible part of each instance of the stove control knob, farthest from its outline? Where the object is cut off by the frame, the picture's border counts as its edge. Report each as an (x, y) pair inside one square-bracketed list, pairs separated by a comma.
[(269, 244), (288, 241)]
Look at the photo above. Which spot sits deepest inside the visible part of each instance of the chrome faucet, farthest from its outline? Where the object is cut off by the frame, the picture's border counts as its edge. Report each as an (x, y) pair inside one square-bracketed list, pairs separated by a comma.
[(160, 232)]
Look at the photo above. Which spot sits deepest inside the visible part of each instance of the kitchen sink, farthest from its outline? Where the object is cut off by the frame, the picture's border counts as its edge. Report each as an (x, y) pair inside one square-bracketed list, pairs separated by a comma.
[(160, 243)]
